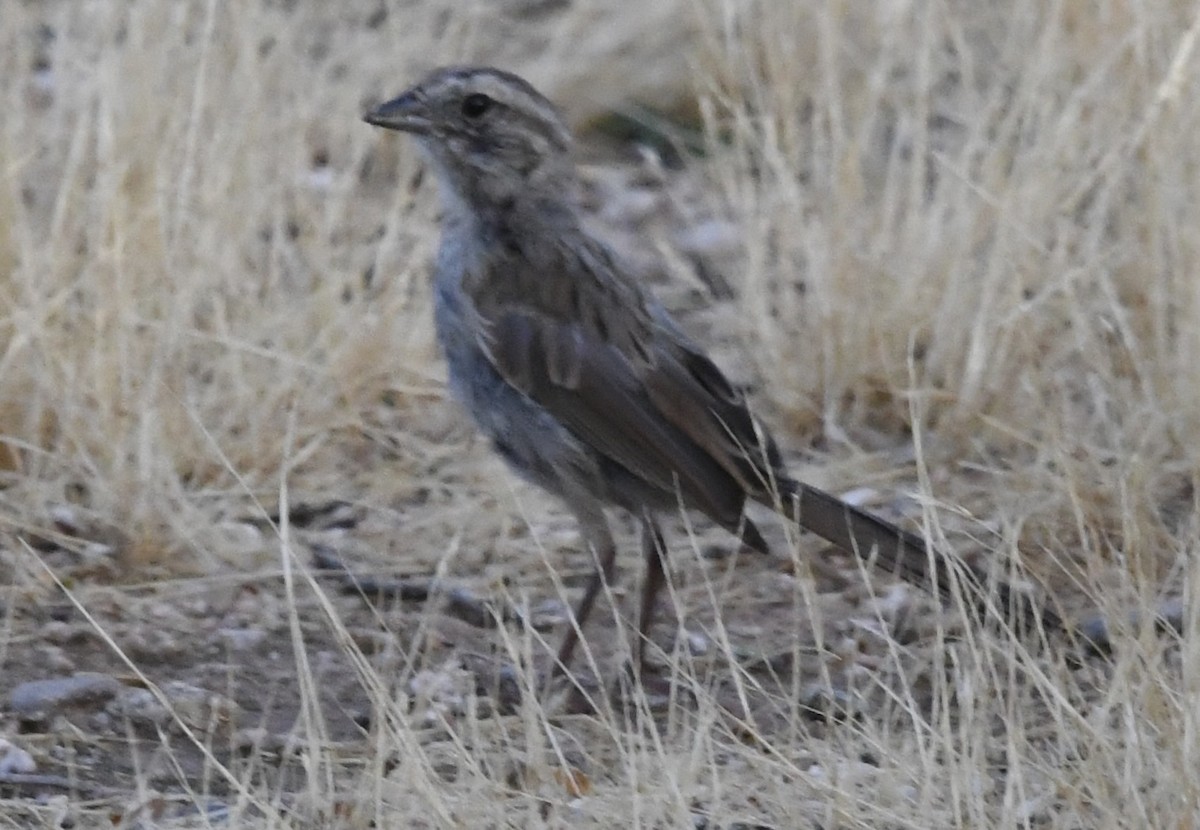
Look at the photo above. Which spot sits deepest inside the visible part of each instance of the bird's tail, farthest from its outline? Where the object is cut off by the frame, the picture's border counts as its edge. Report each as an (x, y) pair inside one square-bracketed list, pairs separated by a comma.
[(905, 554)]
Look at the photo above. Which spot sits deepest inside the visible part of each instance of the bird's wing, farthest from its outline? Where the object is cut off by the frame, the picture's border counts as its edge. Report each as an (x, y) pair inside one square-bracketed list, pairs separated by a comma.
[(567, 326), (612, 405), (692, 392)]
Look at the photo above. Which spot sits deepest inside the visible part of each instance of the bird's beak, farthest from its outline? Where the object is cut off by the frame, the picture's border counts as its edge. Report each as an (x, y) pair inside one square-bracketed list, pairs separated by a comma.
[(407, 113)]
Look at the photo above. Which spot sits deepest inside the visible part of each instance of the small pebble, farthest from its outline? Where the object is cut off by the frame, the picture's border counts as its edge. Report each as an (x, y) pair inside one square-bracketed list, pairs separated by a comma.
[(242, 639), (38, 698), (14, 760)]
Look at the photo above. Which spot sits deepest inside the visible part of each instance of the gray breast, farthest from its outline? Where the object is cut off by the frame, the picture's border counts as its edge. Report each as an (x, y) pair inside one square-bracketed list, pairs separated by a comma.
[(529, 438)]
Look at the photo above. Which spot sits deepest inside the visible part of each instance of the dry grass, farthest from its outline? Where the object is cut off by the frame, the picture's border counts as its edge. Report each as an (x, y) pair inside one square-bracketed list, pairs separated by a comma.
[(970, 241)]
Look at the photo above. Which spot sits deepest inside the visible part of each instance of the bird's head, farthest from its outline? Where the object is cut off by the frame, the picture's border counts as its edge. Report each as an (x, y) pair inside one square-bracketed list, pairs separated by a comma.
[(492, 137)]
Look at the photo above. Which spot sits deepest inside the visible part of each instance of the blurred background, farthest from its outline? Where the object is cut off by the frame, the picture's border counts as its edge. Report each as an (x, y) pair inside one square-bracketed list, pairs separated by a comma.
[(951, 248)]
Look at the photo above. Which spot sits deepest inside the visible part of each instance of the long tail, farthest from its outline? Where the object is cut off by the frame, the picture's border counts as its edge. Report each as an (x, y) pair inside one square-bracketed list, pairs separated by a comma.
[(905, 554)]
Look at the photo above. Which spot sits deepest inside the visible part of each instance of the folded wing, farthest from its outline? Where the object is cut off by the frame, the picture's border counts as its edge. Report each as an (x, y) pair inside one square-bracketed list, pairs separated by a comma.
[(650, 418)]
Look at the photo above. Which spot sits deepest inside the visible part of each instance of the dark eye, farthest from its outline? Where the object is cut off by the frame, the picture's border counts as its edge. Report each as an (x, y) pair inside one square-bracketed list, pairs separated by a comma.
[(476, 104)]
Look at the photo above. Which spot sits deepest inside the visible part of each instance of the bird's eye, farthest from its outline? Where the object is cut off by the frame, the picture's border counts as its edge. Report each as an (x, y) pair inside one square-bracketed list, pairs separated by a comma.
[(476, 104)]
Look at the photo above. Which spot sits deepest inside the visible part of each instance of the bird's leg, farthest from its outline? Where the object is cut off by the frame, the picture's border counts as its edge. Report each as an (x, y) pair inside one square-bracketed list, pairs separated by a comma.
[(653, 551), (598, 537)]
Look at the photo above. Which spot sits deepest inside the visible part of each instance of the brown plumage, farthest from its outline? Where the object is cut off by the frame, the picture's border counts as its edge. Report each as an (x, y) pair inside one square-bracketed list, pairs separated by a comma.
[(582, 380)]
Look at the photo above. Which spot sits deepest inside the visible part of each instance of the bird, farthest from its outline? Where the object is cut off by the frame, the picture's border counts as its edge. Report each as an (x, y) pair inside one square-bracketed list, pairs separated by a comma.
[(584, 383)]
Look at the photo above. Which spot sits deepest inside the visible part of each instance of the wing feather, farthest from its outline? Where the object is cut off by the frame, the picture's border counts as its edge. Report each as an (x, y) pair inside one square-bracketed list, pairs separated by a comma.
[(595, 391)]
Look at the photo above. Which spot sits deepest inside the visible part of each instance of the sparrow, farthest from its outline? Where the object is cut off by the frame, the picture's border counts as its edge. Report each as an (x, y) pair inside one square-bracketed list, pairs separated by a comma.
[(582, 380)]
